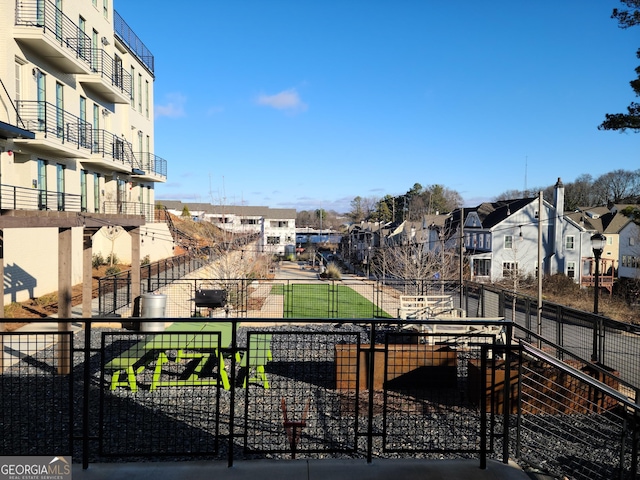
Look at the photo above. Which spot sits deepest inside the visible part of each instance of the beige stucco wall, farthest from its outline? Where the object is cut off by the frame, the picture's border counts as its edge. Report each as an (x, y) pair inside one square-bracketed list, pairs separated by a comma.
[(155, 241), (31, 262)]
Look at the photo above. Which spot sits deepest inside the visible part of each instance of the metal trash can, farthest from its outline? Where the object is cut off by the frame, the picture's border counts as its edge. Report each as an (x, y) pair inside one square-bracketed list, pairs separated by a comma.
[(152, 305)]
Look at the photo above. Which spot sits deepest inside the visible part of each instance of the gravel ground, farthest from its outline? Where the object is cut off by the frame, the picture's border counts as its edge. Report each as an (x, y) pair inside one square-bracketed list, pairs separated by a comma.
[(183, 422)]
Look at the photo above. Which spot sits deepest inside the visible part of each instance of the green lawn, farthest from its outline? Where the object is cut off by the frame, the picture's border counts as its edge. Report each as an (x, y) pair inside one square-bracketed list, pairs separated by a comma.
[(325, 301)]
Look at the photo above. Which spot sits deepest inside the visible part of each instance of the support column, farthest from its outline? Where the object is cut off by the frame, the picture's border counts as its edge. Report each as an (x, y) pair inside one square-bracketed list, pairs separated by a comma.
[(2, 325), (87, 271), (135, 263), (64, 299)]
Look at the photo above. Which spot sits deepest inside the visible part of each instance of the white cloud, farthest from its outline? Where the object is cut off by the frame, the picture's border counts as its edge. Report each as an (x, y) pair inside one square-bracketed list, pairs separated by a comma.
[(285, 100), (173, 106)]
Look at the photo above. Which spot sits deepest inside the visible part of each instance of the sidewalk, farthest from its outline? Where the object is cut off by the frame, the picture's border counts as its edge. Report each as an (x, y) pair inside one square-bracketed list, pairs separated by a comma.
[(330, 469)]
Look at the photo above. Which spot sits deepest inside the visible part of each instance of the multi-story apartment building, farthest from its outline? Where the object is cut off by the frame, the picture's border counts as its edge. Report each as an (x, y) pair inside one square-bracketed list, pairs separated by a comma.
[(76, 139), (275, 227)]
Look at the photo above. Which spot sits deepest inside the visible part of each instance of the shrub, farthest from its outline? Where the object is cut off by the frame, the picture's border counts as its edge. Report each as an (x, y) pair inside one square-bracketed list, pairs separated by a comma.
[(146, 260), (112, 270), (332, 272), (560, 284), (97, 260), (112, 259)]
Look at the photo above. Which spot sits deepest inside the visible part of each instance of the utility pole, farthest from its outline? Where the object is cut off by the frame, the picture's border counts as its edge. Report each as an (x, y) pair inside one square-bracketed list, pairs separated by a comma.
[(540, 267), (461, 254)]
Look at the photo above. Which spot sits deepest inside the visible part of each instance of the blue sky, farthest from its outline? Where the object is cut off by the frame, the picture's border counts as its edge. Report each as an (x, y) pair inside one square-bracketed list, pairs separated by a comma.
[(301, 104)]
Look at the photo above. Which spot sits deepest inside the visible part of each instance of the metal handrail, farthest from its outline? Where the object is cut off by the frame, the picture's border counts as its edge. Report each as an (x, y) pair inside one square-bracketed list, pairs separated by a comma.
[(151, 163), (130, 39), (13, 197), (113, 146), (104, 65), (47, 118), (47, 16)]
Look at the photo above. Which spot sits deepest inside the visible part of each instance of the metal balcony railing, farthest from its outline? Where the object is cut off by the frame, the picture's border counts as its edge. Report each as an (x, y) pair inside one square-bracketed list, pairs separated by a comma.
[(128, 36), (112, 146), (55, 25), (104, 65), (23, 198), (45, 117), (151, 163), (130, 208)]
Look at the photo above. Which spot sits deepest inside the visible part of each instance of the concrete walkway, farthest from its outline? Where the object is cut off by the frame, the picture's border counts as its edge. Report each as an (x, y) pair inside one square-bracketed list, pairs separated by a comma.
[(379, 469)]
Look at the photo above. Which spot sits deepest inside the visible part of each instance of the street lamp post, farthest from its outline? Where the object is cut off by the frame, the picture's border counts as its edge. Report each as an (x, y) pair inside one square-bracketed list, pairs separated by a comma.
[(597, 244)]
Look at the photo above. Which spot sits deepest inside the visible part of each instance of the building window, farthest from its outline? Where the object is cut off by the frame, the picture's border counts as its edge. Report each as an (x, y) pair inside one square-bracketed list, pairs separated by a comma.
[(133, 88), (273, 240), (509, 269), (18, 71), (105, 8), (279, 224), (487, 242), (146, 98), (94, 50), (508, 241), (96, 192), (571, 269), (482, 267), (569, 243), (632, 241), (248, 221), (140, 92)]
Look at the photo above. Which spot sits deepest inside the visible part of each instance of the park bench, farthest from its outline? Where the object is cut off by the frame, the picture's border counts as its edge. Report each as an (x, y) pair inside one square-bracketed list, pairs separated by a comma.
[(421, 307), (131, 362), (255, 358)]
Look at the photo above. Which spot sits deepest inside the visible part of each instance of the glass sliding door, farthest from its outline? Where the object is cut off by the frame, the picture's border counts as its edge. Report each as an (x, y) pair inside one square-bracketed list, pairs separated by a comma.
[(60, 111), (83, 190), (60, 186), (42, 185), (96, 192), (41, 83)]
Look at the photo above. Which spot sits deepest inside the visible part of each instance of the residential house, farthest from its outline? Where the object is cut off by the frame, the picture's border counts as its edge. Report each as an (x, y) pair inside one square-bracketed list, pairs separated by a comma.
[(275, 227), (629, 248), (610, 221), (76, 142), (503, 238)]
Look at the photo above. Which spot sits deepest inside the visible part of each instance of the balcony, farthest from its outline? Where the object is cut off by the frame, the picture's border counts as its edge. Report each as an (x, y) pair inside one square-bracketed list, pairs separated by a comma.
[(42, 27), (153, 167), (112, 152), (13, 197), (107, 78), (57, 131), (127, 36)]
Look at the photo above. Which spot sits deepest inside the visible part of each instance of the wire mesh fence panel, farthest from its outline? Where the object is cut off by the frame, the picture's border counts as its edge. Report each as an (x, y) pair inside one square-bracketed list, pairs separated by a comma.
[(36, 392), (160, 393), (430, 404), (301, 409), (569, 427), (619, 350), (490, 303)]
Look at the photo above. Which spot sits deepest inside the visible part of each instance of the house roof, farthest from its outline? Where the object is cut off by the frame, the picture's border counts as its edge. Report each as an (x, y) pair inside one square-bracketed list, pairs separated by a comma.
[(239, 210), (604, 219), (492, 213)]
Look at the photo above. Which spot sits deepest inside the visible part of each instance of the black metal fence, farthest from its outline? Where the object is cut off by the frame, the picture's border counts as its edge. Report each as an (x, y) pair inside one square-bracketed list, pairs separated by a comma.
[(114, 291), (570, 332), (354, 388), (614, 345)]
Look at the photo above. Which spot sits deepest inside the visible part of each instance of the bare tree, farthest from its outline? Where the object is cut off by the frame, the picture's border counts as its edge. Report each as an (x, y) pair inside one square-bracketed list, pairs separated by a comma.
[(413, 260), (617, 186)]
